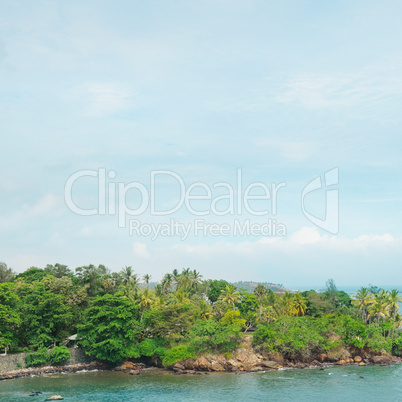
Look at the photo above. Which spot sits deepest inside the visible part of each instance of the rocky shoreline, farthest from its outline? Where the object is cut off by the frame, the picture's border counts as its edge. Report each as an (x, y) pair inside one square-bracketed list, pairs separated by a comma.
[(243, 360), (34, 371)]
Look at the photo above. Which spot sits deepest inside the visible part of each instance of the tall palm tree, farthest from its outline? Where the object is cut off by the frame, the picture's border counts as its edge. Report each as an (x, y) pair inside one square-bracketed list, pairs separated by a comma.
[(127, 275), (167, 283), (195, 280), (146, 279), (393, 300), (145, 301), (261, 293), (176, 278), (230, 295), (362, 300)]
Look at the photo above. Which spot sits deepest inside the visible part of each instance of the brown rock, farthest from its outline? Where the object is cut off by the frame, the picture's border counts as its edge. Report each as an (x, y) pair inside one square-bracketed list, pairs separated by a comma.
[(270, 364), (341, 362), (215, 366), (134, 372), (381, 359), (322, 357), (178, 367), (357, 359), (362, 364), (127, 366)]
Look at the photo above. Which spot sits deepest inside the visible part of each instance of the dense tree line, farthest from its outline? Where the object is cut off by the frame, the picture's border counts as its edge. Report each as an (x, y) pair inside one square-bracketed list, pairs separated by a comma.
[(118, 316)]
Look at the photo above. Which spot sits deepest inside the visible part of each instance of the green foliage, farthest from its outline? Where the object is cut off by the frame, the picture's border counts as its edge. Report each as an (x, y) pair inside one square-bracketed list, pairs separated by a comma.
[(46, 317), (215, 288), (176, 354), (19, 365), (152, 347), (111, 329), (9, 315), (296, 338), (32, 274), (232, 317), (214, 337), (59, 354), (38, 358)]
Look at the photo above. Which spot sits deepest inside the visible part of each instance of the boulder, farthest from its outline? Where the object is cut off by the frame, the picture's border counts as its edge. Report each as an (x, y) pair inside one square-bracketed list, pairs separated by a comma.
[(178, 367), (270, 364), (341, 362), (128, 366), (322, 357), (381, 359), (55, 398), (357, 359), (338, 353), (215, 366), (134, 372), (362, 364)]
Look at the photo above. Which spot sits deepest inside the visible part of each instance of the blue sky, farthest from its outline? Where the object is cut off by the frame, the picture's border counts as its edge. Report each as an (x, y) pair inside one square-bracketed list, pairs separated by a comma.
[(285, 91)]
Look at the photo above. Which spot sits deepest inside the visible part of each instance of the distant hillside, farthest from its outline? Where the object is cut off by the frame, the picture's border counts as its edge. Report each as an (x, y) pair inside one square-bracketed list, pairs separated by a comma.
[(250, 286)]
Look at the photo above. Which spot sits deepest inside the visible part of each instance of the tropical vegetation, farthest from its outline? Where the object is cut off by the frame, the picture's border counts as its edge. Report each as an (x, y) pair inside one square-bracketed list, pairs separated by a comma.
[(121, 315)]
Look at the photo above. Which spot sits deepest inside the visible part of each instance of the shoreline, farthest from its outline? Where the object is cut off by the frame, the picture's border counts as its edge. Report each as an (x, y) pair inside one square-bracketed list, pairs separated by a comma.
[(179, 369)]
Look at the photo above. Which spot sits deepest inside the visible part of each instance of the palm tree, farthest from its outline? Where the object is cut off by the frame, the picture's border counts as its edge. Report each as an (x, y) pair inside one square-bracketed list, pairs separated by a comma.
[(261, 293), (363, 299), (146, 279), (268, 315), (167, 282), (230, 295), (393, 300), (145, 300), (204, 310), (299, 304), (195, 280), (378, 309), (176, 278), (287, 303), (127, 274)]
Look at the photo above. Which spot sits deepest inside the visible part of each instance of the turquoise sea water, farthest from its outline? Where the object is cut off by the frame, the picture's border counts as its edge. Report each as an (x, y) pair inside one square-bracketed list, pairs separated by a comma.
[(353, 383)]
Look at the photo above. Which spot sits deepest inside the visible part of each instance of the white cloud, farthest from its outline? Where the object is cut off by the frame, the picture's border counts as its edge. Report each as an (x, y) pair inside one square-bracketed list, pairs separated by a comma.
[(140, 251)]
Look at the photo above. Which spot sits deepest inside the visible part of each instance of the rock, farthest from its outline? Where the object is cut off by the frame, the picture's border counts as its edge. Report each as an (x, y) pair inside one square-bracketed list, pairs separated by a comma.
[(381, 359), (215, 366), (362, 364), (357, 359), (55, 398), (349, 360), (134, 372), (270, 364), (341, 362), (322, 357), (127, 366), (338, 353), (178, 367)]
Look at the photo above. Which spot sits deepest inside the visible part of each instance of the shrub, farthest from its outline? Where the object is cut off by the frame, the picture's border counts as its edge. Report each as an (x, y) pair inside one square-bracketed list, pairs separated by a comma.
[(59, 355), (176, 354), (19, 365), (152, 347), (296, 338), (211, 336), (37, 359)]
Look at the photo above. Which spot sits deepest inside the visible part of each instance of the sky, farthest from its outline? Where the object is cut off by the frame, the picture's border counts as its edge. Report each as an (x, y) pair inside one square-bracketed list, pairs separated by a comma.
[(277, 93)]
